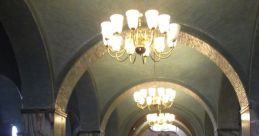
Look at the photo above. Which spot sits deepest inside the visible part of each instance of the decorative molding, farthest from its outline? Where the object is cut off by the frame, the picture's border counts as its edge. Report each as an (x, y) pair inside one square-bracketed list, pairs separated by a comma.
[(75, 73), (96, 52), (220, 61)]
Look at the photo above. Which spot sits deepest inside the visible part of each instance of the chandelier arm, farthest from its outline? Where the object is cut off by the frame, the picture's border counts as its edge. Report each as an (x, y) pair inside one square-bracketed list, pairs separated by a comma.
[(153, 57), (130, 58), (132, 33), (116, 54), (122, 59), (163, 55), (120, 53), (144, 59), (168, 51), (141, 106), (113, 54)]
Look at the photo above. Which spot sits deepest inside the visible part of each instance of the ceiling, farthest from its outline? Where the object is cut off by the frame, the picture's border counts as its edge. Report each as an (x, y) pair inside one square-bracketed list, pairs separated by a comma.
[(68, 29)]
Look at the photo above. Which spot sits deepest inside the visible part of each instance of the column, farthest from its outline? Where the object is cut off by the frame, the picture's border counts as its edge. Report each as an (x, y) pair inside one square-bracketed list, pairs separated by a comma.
[(43, 122), (245, 121)]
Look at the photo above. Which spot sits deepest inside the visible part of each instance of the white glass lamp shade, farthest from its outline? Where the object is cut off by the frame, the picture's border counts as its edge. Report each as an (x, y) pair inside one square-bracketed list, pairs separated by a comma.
[(151, 118), (170, 93), (132, 18), (152, 92), (164, 21), (115, 42), (174, 30), (129, 45), (136, 96), (117, 23), (161, 91), (141, 101), (151, 17), (165, 99), (143, 92), (159, 44), (171, 117), (149, 100), (107, 31)]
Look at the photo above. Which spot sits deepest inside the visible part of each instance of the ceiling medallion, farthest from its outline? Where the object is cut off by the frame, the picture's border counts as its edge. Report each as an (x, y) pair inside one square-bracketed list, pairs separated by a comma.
[(156, 39), (159, 98)]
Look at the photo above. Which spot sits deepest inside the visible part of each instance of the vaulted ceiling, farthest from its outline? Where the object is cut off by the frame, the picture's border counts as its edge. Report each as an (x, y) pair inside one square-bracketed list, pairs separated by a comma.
[(55, 34)]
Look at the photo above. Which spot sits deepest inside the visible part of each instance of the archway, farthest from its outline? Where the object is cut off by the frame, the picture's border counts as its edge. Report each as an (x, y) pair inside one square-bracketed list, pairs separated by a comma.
[(204, 48), (128, 93)]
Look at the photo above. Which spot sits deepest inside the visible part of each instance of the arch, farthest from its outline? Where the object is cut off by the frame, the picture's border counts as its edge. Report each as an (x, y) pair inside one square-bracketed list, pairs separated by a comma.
[(91, 56), (182, 114), (30, 49), (131, 90)]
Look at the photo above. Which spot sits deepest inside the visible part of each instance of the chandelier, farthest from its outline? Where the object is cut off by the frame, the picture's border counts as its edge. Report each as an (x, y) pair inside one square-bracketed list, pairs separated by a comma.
[(160, 120), (157, 38), (164, 127), (162, 98)]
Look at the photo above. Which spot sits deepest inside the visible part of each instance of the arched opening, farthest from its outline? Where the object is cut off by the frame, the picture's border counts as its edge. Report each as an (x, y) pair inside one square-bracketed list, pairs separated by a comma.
[(92, 55), (129, 93)]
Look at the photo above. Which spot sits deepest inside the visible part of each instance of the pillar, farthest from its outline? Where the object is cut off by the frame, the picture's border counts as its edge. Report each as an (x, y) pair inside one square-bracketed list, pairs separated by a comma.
[(245, 121), (43, 122)]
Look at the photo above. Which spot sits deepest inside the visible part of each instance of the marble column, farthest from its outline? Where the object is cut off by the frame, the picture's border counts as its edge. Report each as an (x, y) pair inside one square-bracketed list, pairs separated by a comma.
[(245, 121), (43, 122)]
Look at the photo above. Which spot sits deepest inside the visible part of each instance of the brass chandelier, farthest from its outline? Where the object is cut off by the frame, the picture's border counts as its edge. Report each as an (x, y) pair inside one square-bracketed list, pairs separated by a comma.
[(160, 98), (157, 40), (160, 121)]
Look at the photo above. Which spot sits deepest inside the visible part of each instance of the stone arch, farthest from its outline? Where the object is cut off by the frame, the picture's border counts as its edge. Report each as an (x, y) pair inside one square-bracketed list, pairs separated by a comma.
[(130, 91), (27, 41), (91, 56)]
